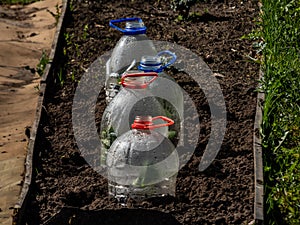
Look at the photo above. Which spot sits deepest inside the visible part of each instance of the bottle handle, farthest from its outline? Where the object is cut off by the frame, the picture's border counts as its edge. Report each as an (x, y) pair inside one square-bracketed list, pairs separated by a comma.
[(131, 66), (172, 60), (138, 86), (148, 125), (136, 30), (166, 119)]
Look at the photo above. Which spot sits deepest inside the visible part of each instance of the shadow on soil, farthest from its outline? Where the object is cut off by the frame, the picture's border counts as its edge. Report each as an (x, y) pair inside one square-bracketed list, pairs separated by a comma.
[(124, 216)]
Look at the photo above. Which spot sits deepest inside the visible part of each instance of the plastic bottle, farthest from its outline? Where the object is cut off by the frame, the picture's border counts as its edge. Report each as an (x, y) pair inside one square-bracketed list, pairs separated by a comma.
[(132, 46), (133, 100), (173, 97), (168, 91), (142, 163)]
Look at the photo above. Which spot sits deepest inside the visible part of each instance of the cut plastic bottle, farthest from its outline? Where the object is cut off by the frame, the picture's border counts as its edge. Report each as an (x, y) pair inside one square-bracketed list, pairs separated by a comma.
[(142, 163), (134, 99), (168, 92), (132, 46)]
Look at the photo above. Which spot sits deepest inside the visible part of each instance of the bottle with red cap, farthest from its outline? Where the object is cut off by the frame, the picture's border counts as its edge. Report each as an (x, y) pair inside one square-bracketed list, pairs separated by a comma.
[(168, 93), (142, 163), (134, 99)]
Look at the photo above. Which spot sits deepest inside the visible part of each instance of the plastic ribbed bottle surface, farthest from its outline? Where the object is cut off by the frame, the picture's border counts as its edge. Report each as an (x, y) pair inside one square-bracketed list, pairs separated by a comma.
[(129, 48), (132, 46), (168, 92), (122, 110), (142, 163)]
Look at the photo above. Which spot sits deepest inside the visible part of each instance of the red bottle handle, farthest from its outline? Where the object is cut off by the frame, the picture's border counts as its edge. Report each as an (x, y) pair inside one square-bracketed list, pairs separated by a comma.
[(166, 119), (149, 125), (138, 86)]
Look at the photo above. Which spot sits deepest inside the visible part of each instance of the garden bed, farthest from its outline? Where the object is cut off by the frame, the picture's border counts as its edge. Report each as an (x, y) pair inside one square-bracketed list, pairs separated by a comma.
[(223, 193)]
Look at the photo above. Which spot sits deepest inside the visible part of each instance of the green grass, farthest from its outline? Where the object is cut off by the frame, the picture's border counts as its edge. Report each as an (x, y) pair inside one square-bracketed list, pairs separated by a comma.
[(280, 23), (11, 2), (40, 68)]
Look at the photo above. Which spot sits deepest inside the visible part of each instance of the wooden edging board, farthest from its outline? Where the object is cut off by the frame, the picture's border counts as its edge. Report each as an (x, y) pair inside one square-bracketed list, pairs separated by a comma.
[(258, 161), (20, 206)]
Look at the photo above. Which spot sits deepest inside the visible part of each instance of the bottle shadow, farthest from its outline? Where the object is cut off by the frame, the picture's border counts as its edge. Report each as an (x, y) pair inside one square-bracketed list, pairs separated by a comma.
[(76, 216)]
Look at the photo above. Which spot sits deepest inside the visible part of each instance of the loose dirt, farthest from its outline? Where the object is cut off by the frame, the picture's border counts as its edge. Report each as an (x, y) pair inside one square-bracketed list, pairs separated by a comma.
[(222, 194), (25, 32)]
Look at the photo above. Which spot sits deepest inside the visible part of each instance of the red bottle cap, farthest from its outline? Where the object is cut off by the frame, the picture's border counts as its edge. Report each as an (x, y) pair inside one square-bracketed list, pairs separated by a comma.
[(146, 122)]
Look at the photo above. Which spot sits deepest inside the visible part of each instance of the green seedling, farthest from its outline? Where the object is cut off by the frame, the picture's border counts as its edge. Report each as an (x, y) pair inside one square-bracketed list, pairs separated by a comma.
[(37, 87), (44, 60), (71, 5), (37, 171), (147, 175), (58, 13), (60, 76), (107, 137), (68, 39), (85, 31), (179, 18), (73, 76), (77, 50), (172, 134)]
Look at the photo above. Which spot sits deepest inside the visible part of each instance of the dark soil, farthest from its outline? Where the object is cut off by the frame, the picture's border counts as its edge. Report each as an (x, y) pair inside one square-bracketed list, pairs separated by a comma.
[(222, 194)]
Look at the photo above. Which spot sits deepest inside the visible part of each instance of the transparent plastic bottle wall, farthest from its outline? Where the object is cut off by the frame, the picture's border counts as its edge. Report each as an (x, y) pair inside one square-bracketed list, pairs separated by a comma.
[(142, 164), (169, 92), (129, 48), (121, 112), (132, 46)]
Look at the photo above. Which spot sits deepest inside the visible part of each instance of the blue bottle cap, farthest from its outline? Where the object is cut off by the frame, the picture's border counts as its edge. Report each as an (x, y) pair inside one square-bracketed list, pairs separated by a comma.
[(154, 63), (150, 64)]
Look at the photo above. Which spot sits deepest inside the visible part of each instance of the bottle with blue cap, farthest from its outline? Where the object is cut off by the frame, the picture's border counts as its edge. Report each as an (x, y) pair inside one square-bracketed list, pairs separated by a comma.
[(132, 46), (167, 91)]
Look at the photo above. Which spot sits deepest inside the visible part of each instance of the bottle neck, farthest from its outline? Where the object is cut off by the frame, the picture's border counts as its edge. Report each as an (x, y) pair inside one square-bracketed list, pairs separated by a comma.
[(134, 25), (143, 119), (135, 28), (149, 68), (142, 123), (150, 64)]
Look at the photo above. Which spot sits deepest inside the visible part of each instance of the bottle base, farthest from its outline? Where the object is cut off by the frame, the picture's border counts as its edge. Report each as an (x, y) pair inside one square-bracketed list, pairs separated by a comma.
[(123, 192)]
